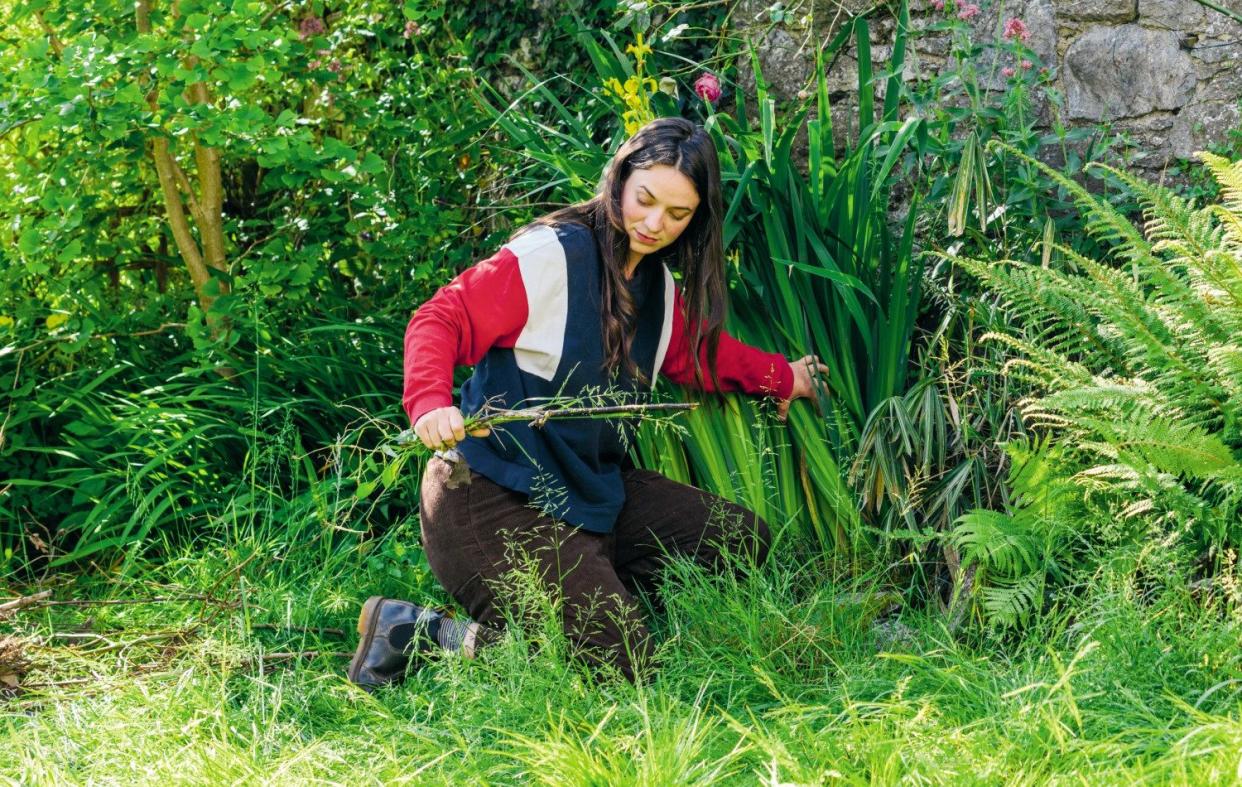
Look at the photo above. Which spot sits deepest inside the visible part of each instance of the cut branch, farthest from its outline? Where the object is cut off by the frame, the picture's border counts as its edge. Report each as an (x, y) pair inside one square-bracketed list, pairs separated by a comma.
[(538, 416), (8, 608)]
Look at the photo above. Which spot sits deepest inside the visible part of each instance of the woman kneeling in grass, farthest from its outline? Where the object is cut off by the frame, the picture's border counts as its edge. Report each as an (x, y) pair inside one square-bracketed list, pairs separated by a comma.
[(579, 302)]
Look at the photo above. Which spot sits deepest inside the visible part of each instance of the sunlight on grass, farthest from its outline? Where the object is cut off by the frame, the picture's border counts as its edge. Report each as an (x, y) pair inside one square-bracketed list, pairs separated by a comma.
[(765, 677)]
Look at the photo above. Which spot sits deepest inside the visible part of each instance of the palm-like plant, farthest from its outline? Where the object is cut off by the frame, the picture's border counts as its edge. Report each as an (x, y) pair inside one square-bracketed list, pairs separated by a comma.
[(1136, 361), (818, 270)]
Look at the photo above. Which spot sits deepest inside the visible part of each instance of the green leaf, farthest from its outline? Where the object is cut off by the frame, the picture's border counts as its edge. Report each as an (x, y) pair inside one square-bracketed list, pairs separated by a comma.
[(372, 164)]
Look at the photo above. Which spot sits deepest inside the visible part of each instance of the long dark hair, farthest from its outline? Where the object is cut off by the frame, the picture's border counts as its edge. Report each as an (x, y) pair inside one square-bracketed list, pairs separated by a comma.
[(698, 253)]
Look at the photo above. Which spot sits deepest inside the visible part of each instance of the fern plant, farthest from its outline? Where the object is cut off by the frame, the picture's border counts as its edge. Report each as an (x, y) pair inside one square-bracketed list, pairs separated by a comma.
[(1136, 361), (1022, 551)]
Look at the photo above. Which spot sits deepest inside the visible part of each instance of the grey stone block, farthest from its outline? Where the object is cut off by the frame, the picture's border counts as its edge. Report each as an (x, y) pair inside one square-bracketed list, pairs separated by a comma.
[(1098, 10), (1126, 71)]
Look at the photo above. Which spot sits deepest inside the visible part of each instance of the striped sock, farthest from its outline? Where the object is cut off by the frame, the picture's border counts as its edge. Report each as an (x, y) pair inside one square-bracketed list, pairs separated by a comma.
[(452, 634)]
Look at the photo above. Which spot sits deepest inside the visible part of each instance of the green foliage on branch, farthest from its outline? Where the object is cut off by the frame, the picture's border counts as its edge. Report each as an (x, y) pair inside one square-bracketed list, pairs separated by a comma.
[(223, 213)]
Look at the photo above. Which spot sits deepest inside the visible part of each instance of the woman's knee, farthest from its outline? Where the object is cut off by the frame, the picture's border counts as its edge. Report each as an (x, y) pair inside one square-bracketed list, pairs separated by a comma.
[(609, 631), (744, 535)]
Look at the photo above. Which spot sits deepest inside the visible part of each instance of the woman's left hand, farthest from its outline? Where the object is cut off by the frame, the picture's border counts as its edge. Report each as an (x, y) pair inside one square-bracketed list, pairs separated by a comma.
[(805, 369)]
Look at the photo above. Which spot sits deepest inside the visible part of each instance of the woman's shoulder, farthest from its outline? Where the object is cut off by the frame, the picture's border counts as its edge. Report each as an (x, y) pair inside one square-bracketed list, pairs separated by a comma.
[(539, 239)]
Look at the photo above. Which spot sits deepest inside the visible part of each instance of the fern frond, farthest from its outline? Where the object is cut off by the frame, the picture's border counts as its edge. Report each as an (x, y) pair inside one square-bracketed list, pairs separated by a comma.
[(1223, 266), (1229, 175), (1049, 304), (1009, 602), (1101, 220), (997, 541), (1139, 368), (1191, 237), (1052, 370), (1105, 394), (1155, 338), (1167, 445)]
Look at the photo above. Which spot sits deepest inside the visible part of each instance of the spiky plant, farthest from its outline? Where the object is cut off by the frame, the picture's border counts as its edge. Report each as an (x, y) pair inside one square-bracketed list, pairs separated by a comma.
[(1137, 364)]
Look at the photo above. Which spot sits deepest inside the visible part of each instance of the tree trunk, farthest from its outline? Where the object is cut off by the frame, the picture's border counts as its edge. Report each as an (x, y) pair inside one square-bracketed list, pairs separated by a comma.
[(185, 205)]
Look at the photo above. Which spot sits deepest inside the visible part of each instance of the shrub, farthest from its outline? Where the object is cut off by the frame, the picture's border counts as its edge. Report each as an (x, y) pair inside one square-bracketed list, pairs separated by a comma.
[(1136, 364)]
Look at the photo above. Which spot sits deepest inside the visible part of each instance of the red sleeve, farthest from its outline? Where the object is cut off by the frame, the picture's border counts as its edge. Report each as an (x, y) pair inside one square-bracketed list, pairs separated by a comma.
[(739, 367), (484, 307)]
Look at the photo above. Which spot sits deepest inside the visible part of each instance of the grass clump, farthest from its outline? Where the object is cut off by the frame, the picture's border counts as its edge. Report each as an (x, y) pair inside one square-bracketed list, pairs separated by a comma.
[(776, 675)]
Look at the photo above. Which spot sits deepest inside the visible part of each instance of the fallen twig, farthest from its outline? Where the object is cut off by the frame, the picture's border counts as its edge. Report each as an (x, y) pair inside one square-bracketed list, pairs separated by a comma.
[(111, 644), (56, 684), (305, 629), (304, 654), (9, 608), (86, 602)]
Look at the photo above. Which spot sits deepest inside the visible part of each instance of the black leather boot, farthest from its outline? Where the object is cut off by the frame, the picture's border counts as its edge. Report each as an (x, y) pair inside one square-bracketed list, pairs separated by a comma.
[(389, 631)]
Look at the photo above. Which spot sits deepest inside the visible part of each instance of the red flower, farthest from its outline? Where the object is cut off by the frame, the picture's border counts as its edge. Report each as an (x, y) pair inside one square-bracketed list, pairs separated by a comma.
[(1016, 28), (707, 87), (311, 26)]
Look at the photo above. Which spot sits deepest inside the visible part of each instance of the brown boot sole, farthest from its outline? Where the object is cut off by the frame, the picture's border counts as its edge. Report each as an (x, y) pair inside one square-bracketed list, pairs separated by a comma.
[(366, 632)]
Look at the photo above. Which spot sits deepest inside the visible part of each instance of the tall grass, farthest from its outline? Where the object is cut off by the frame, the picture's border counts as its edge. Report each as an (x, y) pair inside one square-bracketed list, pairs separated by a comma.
[(98, 460), (767, 676)]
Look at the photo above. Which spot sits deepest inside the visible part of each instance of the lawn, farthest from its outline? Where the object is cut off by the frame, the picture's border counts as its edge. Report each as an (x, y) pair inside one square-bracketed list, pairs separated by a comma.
[(772, 676)]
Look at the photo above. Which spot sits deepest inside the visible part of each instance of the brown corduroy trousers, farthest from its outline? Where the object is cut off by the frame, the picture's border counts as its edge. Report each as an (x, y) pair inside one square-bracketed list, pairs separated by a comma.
[(476, 535)]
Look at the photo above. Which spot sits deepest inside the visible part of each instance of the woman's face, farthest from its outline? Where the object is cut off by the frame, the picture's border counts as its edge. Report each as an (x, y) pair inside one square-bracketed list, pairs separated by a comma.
[(656, 205)]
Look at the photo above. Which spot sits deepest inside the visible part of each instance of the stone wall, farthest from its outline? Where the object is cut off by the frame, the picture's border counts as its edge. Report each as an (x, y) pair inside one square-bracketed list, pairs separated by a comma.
[(1167, 73)]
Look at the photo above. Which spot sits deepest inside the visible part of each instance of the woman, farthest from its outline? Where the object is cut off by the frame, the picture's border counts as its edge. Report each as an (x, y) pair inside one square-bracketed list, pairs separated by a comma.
[(582, 301)]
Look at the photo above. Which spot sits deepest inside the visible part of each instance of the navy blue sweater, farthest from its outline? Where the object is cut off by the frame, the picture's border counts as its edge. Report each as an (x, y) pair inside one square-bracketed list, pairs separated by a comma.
[(529, 319)]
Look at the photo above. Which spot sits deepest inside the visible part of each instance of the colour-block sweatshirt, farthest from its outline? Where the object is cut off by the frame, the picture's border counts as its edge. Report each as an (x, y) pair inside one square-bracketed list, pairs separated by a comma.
[(528, 320)]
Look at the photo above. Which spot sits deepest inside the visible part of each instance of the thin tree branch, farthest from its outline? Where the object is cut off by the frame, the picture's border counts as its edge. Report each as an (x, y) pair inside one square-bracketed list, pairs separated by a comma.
[(538, 416), (10, 608), (75, 602), (52, 38), (183, 182), (303, 629), (305, 654)]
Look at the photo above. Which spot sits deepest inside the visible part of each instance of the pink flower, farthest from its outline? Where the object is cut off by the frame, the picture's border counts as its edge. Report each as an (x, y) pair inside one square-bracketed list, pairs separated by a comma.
[(968, 11), (938, 5), (707, 87), (1016, 28), (411, 29), (311, 26), (1008, 71), (335, 66), (1027, 65)]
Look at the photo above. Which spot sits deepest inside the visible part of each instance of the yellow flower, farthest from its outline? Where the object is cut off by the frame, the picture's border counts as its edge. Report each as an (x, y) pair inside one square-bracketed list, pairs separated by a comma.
[(635, 93), (639, 50), (6, 322), (56, 320)]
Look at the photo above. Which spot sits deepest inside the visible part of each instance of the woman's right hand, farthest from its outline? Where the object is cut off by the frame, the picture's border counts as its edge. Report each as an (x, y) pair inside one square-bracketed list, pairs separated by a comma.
[(444, 427)]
